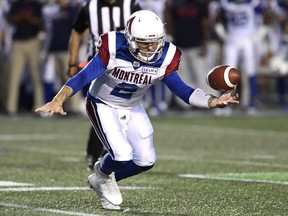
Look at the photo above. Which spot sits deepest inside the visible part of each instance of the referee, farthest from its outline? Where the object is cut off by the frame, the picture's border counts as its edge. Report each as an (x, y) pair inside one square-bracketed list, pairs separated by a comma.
[(98, 16)]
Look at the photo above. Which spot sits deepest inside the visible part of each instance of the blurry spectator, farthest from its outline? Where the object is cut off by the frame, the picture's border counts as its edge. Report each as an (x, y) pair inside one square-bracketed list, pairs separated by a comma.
[(27, 20), (4, 52), (278, 43), (214, 44), (188, 25), (59, 17), (238, 29), (155, 101)]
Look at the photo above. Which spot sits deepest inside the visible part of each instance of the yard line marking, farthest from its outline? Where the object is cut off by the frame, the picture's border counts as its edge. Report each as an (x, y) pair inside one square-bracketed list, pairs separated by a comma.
[(223, 130), (45, 209), (195, 176), (22, 137), (248, 163), (11, 183), (251, 163), (21, 189), (266, 157)]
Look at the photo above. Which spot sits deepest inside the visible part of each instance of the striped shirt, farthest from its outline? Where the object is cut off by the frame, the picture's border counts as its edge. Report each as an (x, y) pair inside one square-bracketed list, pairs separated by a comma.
[(100, 17)]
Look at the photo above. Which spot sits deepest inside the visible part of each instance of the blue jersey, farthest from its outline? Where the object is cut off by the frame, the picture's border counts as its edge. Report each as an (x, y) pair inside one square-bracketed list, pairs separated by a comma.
[(122, 80)]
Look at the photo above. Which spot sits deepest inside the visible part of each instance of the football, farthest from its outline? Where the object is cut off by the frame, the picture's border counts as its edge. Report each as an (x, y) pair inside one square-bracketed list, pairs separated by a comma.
[(223, 78)]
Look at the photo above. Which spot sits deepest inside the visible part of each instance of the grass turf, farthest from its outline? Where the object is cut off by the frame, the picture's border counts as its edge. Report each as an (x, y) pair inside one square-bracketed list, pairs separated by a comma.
[(238, 166)]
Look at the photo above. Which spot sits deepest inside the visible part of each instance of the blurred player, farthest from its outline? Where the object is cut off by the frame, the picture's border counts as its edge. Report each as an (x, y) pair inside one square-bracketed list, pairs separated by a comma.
[(188, 26), (97, 16), (239, 31), (125, 67)]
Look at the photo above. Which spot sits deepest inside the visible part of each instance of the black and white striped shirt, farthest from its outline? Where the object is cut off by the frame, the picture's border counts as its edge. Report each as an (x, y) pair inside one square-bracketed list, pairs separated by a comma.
[(101, 17)]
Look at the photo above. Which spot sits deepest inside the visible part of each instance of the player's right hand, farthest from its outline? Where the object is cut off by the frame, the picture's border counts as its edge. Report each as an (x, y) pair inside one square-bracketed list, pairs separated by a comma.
[(72, 71), (51, 108)]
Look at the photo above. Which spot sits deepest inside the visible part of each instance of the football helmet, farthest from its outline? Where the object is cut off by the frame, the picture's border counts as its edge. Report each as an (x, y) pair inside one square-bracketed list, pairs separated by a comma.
[(146, 27)]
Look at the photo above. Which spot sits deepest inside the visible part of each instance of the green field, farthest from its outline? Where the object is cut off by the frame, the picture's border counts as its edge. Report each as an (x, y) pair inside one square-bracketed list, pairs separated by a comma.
[(205, 166)]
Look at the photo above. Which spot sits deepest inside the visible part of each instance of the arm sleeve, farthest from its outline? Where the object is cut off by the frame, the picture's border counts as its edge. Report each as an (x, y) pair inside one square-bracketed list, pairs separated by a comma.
[(178, 87), (195, 97), (93, 70)]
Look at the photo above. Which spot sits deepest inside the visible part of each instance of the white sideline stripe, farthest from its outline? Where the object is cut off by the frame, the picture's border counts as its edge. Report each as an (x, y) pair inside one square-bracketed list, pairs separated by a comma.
[(194, 176), (11, 183), (251, 163), (248, 163), (45, 209), (65, 188), (21, 137), (223, 130)]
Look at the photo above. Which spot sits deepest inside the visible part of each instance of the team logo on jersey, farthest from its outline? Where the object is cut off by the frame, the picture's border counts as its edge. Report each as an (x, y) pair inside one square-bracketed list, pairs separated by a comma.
[(137, 78), (150, 70), (136, 64)]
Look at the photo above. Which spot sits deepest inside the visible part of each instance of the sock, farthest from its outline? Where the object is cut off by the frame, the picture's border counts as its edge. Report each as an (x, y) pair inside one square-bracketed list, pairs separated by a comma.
[(163, 92), (281, 89), (253, 89), (108, 165), (153, 96), (130, 169), (122, 169), (48, 92)]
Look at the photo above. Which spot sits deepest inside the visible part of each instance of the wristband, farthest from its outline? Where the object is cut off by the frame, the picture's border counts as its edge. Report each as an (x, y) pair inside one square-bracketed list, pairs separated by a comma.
[(199, 98), (72, 65)]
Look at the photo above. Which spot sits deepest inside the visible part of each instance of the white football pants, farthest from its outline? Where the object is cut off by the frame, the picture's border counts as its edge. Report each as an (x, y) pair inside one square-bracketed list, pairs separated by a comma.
[(126, 134)]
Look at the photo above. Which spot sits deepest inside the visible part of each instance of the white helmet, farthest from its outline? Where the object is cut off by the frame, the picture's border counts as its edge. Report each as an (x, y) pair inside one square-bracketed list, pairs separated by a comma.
[(145, 26)]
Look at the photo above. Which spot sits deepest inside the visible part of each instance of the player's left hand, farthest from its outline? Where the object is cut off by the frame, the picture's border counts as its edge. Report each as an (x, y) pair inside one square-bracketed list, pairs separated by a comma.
[(51, 108), (227, 98)]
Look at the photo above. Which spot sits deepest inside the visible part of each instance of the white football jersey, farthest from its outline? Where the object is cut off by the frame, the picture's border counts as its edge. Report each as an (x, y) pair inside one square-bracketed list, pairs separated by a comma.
[(126, 79), (241, 18)]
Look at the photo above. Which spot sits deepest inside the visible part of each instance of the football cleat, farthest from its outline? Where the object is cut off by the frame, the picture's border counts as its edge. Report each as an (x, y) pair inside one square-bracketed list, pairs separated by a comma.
[(109, 206), (105, 186)]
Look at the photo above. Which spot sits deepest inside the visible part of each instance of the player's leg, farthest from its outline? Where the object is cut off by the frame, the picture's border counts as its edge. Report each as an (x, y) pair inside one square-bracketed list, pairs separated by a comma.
[(49, 77), (94, 149), (163, 98), (250, 59), (17, 66), (107, 124), (140, 136), (281, 86), (230, 56), (125, 139), (153, 109), (33, 49)]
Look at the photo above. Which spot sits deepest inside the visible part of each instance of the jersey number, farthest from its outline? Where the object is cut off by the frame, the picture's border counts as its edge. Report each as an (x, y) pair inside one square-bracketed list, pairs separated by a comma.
[(124, 90)]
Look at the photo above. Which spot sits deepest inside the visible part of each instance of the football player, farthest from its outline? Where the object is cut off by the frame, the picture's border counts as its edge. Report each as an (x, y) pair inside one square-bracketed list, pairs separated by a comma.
[(126, 65), (97, 16), (239, 31)]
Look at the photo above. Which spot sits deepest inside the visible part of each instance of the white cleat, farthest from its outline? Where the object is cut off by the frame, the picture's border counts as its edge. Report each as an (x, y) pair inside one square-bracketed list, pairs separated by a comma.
[(104, 202), (109, 206), (105, 186)]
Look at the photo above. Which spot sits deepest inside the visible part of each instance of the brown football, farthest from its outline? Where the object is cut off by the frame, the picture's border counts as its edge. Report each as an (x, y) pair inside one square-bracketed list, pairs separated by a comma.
[(223, 77)]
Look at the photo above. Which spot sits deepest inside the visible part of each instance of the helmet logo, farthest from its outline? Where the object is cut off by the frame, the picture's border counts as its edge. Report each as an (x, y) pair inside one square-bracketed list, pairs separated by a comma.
[(129, 24)]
